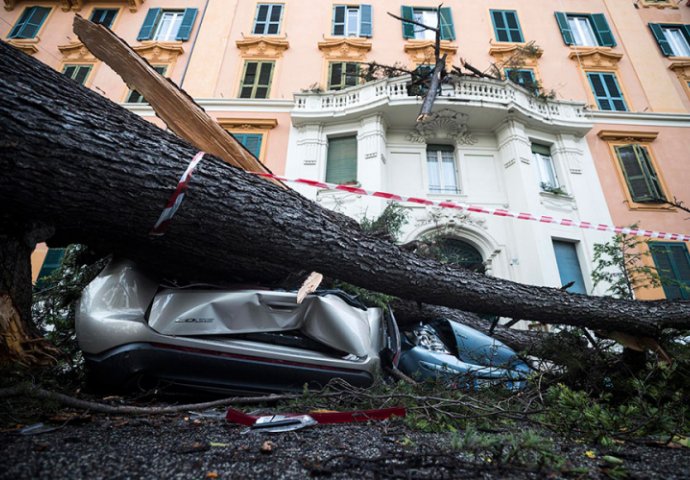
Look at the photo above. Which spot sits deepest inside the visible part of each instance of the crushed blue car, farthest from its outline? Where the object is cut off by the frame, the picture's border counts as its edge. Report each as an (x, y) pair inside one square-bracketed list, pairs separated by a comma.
[(445, 350)]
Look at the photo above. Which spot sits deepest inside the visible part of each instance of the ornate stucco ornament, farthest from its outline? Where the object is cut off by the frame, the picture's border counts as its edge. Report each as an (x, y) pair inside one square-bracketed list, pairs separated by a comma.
[(444, 124)]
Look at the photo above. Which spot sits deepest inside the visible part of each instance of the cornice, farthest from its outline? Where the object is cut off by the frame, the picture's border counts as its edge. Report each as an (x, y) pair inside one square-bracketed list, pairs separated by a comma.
[(262, 47), (354, 49), (595, 57)]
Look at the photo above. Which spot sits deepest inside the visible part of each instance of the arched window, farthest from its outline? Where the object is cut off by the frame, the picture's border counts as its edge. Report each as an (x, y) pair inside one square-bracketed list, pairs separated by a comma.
[(459, 252)]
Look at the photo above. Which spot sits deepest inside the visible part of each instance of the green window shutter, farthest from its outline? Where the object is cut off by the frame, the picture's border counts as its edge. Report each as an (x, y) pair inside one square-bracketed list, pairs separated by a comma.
[(661, 39), (639, 173), (341, 165), (447, 28), (365, 21), (606, 91), (602, 30), (187, 24), (29, 23), (104, 16), (506, 26), (567, 35), (256, 81), (251, 141), (146, 32), (78, 73), (652, 178), (523, 77), (686, 32), (672, 262), (339, 20), (335, 75), (408, 28)]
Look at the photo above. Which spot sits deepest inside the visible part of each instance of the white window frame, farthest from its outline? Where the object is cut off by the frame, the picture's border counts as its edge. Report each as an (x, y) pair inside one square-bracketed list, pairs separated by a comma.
[(677, 41), (583, 33), (446, 187), (427, 17), (547, 171), (168, 25), (352, 24)]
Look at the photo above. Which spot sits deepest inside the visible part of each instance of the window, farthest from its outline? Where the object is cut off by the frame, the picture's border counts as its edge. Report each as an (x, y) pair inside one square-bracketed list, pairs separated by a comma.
[(135, 97), (673, 40), (569, 266), (606, 91), (585, 30), (459, 252), (427, 17), (643, 183), (167, 25), (78, 73), (256, 81), (523, 77), (342, 75), (440, 161), (547, 172), (52, 262), (506, 26), (251, 141), (673, 266), (29, 22), (104, 16), (352, 21), (341, 165), (267, 21)]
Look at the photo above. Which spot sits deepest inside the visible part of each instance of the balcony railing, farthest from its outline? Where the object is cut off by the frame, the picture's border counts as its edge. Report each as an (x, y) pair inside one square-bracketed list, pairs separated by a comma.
[(486, 92)]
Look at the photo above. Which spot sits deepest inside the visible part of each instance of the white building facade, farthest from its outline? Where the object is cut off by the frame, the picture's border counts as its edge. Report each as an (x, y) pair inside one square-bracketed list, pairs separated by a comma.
[(488, 143)]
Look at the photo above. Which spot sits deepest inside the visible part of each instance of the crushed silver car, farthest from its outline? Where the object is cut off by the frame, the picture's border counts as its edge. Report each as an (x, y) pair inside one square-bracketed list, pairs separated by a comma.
[(131, 329)]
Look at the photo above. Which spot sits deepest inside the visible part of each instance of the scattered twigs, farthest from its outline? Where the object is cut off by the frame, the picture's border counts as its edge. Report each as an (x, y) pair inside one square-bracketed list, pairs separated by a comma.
[(69, 401)]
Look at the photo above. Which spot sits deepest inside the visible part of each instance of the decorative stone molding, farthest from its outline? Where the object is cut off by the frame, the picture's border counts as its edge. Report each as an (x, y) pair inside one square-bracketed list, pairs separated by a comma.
[(248, 123), (503, 52), (160, 52), (627, 136), (345, 49), (422, 51), (595, 57), (133, 5), (66, 5), (682, 71), (658, 4), (27, 46), (76, 5), (444, 124), (76, 52), (262, 47)]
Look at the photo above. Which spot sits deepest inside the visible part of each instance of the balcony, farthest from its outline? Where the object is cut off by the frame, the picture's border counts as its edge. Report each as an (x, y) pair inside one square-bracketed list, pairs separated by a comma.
[(486, 102)]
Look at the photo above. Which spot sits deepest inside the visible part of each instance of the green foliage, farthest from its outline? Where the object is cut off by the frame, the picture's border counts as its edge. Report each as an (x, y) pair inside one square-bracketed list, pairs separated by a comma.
[(389, 223), (620, 264), (54, 304), (650, 404), (551, 189), (523, 448)]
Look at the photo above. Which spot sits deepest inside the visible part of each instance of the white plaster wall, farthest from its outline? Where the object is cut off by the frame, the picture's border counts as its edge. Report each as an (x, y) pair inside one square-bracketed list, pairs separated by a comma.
[(497, 171)]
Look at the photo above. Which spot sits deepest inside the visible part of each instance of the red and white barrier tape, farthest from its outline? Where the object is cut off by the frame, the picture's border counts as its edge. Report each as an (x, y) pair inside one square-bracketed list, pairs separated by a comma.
[(175, 199), (499, 212)]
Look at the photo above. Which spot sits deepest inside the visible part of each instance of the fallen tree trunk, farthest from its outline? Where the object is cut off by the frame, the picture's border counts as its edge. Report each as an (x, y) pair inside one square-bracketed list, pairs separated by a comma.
[(101, 176)]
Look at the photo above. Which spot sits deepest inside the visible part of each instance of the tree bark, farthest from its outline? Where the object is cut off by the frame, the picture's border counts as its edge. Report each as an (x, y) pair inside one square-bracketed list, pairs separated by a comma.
[(101, 175), (19, 339)]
